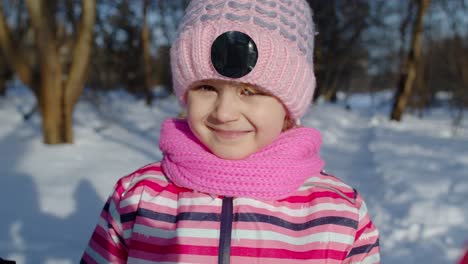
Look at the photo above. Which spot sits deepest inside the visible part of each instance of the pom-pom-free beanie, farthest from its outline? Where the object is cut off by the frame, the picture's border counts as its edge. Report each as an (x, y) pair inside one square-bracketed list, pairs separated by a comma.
[(282, 30)]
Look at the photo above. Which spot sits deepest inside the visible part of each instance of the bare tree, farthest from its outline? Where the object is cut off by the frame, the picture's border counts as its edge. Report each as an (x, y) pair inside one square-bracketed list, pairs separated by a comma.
[(57, 86), (145, 39), (340, 26), (132, 46), (408, 75), (5, 75), (457, 58)]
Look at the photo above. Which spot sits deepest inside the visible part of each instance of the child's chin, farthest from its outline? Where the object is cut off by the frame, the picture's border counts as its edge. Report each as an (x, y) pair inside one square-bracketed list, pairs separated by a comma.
[(232, 155)]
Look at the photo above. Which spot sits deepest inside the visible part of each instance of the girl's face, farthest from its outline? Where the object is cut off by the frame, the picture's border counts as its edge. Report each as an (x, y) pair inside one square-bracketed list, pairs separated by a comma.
[(233, 120)]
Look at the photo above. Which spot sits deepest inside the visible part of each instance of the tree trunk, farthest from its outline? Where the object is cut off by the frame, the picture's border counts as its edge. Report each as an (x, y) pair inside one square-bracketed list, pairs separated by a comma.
[(12, 54), (51, 92), (408, 76), (145, 41), (2, 86), (163, 74), (56, 92), (57, 97), (5, 75), (74, 84)]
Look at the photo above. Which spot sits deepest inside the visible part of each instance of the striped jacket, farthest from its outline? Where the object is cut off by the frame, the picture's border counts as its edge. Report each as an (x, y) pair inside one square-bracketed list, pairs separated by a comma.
[(147, 219)]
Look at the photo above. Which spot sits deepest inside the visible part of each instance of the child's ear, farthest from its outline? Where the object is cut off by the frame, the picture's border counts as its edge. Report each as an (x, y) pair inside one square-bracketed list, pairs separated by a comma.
[(288, 123)]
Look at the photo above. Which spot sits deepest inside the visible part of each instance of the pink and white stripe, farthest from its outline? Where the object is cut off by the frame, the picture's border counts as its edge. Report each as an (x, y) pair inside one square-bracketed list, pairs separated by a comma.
[(148, 219)]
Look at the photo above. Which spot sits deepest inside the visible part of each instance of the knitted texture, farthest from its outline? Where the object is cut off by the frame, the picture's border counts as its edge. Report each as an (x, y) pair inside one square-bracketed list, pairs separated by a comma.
[(273, 173), (283, 31)]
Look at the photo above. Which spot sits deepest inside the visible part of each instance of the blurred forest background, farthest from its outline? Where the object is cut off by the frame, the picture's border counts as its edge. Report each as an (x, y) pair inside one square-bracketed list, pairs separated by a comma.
[(66, 50)]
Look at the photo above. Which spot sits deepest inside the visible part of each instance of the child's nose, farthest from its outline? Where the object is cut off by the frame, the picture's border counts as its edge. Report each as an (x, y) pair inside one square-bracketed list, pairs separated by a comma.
[(227, 108)]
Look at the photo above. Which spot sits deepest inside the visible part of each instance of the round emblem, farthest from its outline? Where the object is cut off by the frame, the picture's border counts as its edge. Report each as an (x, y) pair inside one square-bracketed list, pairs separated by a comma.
[(234, 54)]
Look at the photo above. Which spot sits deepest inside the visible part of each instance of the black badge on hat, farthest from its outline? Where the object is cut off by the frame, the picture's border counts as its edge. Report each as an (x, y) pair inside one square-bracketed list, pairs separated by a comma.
[(234, 54)]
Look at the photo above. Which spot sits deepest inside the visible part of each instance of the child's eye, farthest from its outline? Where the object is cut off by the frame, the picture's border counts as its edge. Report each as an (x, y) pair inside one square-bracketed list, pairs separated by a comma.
[(250, 92)]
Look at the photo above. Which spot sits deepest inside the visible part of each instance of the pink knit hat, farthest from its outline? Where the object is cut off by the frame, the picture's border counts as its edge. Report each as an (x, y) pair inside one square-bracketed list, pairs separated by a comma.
[(282, 30)]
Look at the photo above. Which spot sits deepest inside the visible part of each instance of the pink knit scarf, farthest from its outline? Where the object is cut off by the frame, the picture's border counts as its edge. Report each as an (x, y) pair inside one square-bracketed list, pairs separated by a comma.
[(273, 173)]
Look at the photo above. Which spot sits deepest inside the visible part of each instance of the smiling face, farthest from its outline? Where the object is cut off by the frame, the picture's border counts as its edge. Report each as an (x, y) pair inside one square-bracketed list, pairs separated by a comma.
[(232, 119)]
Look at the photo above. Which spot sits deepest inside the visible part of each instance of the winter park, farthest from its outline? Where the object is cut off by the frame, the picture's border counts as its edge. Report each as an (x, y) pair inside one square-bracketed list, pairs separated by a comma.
[(85, 87)]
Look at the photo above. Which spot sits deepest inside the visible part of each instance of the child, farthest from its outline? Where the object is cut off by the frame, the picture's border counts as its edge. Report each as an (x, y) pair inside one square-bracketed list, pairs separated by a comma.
[(240, 181)]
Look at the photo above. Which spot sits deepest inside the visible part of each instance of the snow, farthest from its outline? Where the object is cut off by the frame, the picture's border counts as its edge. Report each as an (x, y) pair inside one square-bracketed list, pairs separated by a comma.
[(413, 174)]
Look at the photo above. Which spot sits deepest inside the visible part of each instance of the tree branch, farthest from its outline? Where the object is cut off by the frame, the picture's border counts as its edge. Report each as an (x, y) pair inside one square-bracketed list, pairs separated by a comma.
[(13, 53), (81, 52)]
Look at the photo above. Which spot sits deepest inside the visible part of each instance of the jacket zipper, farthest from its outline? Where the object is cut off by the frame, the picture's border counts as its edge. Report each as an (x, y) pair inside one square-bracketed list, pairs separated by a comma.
[(225, 232)]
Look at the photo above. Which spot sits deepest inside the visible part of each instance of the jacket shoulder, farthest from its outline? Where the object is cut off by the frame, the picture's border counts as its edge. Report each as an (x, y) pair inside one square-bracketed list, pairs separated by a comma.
[(150, 175), (324, 182)]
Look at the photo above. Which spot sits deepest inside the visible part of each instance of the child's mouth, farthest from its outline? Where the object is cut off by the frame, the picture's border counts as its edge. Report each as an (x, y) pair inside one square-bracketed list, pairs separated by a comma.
[(229, 134)]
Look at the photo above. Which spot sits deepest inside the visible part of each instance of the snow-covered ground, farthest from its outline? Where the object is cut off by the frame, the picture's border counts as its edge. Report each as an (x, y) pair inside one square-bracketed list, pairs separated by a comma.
[(413, 174)]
